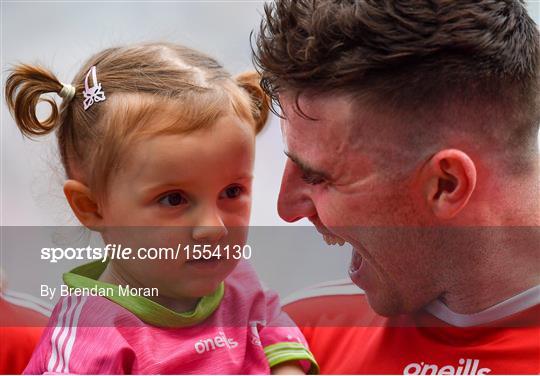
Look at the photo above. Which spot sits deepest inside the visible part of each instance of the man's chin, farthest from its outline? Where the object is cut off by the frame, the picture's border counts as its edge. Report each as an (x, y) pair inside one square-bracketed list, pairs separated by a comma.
[(383, 307), (383, 301)]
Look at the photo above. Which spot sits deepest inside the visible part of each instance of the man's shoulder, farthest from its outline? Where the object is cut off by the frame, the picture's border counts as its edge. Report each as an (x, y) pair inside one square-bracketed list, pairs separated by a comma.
[(338, 323), (23, 309), (332, 303), (22, 319), (328, 289)]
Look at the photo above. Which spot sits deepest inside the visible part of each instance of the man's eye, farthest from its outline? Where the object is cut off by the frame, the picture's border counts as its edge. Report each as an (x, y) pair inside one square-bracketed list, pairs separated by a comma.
[(232, 192), (173, 199), (312, 179)]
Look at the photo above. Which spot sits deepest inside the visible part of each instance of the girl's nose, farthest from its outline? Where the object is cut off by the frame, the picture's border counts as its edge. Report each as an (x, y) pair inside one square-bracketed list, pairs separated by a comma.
[(211, 228)]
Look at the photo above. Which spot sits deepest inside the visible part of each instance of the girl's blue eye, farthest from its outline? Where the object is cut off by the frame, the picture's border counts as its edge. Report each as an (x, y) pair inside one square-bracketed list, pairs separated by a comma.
[(173, 199), (232, 192)]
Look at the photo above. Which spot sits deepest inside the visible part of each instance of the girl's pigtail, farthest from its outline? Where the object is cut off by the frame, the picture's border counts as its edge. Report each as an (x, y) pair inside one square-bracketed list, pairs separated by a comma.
[(24, 89), (260, 102)]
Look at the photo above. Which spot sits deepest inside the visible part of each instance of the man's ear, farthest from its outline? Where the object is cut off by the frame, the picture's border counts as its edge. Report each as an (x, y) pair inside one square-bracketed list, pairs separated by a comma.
[(83, 204), (449, 179)]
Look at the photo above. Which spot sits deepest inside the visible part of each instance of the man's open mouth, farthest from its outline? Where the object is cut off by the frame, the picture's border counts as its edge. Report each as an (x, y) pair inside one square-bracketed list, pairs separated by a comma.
[(356, 262), (332, 239), (329, 237)]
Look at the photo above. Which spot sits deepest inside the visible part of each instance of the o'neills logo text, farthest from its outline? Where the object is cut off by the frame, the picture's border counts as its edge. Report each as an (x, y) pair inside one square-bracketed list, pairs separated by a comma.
[(464, 367), (213, 343)]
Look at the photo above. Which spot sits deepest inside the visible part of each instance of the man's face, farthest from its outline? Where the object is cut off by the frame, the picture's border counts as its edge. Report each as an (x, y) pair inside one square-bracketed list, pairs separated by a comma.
[(334, 178)]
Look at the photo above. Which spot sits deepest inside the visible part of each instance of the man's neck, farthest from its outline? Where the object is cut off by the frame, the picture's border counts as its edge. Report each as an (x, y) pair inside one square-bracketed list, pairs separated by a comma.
[(495, 272)]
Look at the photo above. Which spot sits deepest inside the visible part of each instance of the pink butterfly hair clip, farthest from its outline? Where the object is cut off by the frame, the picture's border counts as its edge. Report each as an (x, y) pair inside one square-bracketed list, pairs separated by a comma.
[(95, 93)]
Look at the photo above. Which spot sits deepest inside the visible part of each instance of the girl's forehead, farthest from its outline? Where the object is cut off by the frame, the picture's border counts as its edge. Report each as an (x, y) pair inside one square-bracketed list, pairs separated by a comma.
[(226, 132), (223, 150), (137, 115)]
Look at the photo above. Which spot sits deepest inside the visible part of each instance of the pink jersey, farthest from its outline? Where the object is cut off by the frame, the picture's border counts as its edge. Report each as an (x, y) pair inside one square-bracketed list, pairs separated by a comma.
[(239, 330)]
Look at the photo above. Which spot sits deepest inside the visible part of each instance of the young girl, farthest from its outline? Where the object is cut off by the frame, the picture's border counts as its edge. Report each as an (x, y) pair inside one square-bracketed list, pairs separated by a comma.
[(157, 141)]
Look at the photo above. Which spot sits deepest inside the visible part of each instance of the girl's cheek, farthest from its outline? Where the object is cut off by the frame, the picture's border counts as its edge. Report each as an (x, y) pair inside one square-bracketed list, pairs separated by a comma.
[(242, 212), (239, 218)]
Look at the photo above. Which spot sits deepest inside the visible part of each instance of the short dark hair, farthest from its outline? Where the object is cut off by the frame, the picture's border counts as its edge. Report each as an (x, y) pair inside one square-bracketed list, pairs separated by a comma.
[(407, 54)]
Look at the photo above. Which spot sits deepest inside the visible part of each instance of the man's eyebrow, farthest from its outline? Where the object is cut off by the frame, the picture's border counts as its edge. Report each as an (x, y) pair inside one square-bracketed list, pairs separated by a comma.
[(307, 169)]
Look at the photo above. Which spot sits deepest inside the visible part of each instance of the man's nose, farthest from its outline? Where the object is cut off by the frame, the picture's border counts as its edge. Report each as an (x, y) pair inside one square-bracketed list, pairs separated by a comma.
[(210, 227), (294, 202)]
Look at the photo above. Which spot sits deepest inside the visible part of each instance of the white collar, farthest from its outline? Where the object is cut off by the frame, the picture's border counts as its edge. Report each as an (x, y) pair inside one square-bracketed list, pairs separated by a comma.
[(515, 304)]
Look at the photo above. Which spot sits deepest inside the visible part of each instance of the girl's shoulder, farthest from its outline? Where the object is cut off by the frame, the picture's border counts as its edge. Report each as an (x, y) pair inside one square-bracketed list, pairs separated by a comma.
[(244, 280), (84, 334), (243, 288), (90, 311)]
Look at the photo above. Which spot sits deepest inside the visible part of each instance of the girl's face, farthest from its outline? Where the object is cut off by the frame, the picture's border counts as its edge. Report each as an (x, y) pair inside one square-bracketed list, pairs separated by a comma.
[(182, 190)]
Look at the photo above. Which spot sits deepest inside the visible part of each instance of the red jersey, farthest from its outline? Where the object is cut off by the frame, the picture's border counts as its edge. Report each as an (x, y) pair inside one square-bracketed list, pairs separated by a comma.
[(22, 319), (347, 337)]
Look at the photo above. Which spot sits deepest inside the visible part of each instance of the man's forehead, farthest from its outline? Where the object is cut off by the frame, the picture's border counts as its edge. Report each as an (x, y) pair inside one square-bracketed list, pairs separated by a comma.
[(318, 146), (314, 121), (315, 107), (353, 121), (322, 120)]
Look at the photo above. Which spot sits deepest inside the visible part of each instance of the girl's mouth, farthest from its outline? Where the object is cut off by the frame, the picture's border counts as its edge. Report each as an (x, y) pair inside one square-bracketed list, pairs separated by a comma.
[(205, 263)]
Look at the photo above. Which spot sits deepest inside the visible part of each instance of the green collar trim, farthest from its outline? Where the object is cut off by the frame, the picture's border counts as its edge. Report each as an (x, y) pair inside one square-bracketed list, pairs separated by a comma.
[(85, 276)]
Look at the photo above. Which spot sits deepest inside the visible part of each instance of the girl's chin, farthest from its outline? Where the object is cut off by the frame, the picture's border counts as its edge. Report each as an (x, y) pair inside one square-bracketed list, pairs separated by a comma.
[(199, 287), (199, 290)]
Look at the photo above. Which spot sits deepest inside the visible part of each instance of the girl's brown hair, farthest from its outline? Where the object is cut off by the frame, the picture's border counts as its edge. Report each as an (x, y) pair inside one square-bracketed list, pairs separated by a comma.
[(139, 81)]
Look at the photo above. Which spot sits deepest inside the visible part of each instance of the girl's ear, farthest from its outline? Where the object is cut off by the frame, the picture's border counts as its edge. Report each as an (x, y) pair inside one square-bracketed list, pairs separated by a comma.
[(260, 102), (84, 206)]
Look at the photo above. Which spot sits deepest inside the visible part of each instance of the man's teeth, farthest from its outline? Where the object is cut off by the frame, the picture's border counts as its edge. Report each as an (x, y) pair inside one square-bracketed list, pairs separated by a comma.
[(333, 239)]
